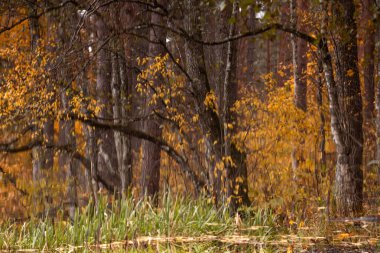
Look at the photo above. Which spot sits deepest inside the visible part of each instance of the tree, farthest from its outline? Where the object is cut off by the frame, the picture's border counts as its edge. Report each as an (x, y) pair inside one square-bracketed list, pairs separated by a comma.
[(105, 141), (299, 50), (377, 98), (235, 157), (151, 153), (43, 127), (205, 99), (206, 84), (368, 64), (345, 109)]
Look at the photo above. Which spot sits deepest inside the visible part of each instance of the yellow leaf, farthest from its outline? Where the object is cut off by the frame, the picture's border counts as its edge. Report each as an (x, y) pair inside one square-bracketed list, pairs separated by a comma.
[(342, 236), (350, 73)]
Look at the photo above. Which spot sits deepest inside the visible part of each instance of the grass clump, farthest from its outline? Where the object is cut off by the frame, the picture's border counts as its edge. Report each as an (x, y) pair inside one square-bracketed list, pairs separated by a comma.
[(129, 219)]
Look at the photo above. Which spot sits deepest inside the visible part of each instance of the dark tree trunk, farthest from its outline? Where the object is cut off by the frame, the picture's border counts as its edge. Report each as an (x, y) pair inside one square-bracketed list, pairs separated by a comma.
[(150, 170), (368, 64), (250, 53), (299, 49), (237, 186), (66, 137), (42, 157), (199, 84), (377, 93), (66, 162), (322, 132), (299, 58), (34, 29)]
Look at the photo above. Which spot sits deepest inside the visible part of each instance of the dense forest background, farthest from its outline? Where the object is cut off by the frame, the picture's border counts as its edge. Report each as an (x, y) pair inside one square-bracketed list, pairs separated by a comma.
[(273, 104)]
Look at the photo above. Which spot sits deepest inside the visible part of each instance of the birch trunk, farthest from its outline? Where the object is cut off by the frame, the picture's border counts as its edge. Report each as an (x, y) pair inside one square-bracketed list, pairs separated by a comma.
[(345, 110), (107, 160)]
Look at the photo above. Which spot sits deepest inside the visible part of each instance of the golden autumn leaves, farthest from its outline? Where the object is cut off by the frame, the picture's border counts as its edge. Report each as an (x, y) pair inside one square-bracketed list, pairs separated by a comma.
[(266, 129)]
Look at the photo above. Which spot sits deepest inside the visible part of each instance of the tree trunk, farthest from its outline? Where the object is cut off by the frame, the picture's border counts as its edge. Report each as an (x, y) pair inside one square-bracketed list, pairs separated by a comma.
[(299, 49), (66, 162), (250, 54), (107, 158), (66, 137), (368, 64), (34, 29), (345, 109), (199, 84), (220, 51), (120, 93), (237, 186), (322, 145), (150, 170), (89, 132), (42, 158), (377, 93), (125, 171)]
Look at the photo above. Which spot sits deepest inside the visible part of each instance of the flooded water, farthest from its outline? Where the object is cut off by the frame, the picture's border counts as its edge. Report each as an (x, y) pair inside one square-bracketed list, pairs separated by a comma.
[(233, 243)]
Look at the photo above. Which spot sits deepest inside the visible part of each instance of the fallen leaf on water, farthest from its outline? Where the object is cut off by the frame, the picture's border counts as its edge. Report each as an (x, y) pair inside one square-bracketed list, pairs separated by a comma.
[(342, 236), (373, 241)]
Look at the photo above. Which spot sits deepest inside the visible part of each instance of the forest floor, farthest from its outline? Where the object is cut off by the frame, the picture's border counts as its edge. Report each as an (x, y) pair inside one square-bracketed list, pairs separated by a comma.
[(183, 225)]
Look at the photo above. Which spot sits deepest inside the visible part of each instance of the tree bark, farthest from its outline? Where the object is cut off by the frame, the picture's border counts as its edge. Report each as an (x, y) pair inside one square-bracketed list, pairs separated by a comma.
[(66, 162), (42, 158), (345, 109), (368, 63), (89, 132), (150, 170), (107, 158), (125, 171), (236, 171), (299, 48), (34, 29), (322, 132), (209, 120), (377, 94)]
